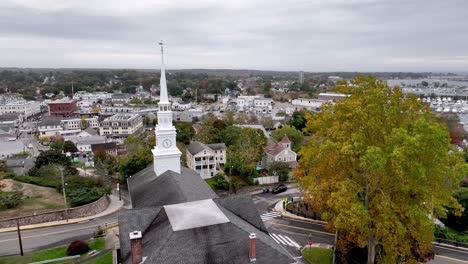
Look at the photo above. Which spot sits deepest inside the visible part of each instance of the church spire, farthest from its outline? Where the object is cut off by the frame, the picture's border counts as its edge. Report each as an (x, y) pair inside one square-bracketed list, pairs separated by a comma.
[(162, 84), (166, 155)]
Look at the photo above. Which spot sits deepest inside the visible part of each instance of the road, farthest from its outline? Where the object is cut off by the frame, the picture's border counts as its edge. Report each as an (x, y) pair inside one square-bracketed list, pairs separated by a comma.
[(52, 236)]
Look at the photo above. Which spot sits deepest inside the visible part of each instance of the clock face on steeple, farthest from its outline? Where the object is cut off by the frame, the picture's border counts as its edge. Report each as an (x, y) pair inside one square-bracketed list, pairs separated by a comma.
[(167, 143)]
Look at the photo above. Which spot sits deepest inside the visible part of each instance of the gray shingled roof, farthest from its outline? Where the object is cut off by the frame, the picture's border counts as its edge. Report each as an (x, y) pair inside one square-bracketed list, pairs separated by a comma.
[(195, 147), (147, 190), (91, 131), (9, 117), (217, 146), (221, 243), (50, 121)]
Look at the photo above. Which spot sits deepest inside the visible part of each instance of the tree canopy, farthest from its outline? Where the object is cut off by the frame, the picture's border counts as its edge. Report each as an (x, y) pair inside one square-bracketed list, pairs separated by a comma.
[(293, 134), (379, 162)]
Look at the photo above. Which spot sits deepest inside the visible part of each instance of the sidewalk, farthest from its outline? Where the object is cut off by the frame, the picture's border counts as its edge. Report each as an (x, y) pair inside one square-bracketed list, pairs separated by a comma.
[(114, 206), (279, 208)]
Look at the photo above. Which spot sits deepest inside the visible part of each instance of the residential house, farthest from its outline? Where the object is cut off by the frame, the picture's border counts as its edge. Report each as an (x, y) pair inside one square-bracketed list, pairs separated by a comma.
[(84, 144), (89, 132), (279, 152), (110, 148), (121, 125), (121, 99), (49, 126), (205, 159), (305, 103)]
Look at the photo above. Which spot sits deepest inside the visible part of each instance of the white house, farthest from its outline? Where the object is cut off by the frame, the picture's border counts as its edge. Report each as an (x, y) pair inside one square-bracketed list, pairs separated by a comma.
[(49, 126), (83, 144), (309, 104), (279, 152), (205, 159)]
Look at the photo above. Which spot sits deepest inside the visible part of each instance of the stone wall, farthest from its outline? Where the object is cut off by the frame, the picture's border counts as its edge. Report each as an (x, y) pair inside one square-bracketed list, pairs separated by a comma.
[(76, 212)]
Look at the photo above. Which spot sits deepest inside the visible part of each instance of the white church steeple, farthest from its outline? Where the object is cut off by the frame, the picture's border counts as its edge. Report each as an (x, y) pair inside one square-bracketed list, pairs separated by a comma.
[(166, 155)]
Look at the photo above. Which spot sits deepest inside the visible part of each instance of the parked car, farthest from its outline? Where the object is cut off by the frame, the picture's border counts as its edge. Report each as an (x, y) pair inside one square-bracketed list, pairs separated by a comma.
[(280, 188)]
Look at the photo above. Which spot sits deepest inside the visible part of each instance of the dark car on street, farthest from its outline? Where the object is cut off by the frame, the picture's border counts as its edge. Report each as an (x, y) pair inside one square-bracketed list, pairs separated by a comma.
[(280, 188)]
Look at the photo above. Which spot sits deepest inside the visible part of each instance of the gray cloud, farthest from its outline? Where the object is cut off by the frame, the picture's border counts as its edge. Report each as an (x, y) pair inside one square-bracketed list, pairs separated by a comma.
[(361, 35)]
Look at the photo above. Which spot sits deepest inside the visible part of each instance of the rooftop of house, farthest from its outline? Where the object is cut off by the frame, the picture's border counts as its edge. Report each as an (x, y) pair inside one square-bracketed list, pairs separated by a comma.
[(9, 117), (121, 117), (50, 121), (104, 146), (64, 100), (274, 148), (91, 131), (196, 147)]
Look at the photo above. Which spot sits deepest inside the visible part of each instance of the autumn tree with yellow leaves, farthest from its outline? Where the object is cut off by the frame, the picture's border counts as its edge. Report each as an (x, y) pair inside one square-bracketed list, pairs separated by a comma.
[(378, 166)]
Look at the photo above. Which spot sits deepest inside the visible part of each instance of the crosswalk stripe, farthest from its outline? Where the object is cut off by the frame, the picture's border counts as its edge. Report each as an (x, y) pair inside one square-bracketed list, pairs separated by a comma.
[(292, 241), (289, 243), (274, 239), (271, 214), (278, 239), (284, 240)]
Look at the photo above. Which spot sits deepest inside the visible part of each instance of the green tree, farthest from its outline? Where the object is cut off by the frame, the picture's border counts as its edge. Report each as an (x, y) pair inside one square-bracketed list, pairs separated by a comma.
[(377, 165), (185, 132), (136, 101), (293, 134), (281, 169), (298, 120), (455, 221), (69, 146)]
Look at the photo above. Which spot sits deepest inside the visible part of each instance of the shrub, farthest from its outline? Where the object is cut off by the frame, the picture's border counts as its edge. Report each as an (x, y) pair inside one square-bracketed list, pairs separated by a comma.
[(77, 247), (37, 181), (10, 199), (84, 190), (220, 182)]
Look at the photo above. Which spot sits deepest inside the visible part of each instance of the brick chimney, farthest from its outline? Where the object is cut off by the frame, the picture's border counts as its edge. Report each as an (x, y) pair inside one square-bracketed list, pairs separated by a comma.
[(253, 247), (136, 247)]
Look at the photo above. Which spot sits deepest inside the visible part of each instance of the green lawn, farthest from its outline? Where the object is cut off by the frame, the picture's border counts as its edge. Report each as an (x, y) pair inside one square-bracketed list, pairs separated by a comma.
[(104, 259), (52, 253), (318, 255)]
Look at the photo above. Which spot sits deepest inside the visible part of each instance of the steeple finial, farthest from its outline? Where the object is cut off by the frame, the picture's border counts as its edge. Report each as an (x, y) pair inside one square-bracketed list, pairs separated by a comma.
[(163, 85)]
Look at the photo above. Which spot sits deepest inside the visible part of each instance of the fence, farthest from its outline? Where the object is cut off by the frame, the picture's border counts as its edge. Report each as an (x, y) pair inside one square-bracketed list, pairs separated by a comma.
[(267, 180)]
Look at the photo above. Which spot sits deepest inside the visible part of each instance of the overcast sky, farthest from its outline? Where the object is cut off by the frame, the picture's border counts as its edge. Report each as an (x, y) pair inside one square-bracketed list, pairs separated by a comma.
[(327, 35)]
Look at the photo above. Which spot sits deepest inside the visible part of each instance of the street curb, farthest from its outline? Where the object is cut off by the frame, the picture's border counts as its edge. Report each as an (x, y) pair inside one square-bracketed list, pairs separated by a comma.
[(279, 208), (29, 227), (450, 246)]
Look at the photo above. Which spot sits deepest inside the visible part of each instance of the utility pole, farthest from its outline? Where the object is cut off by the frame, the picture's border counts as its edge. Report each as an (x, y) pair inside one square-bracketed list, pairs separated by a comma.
[(19, 236), (230, 176), (64, 193)]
